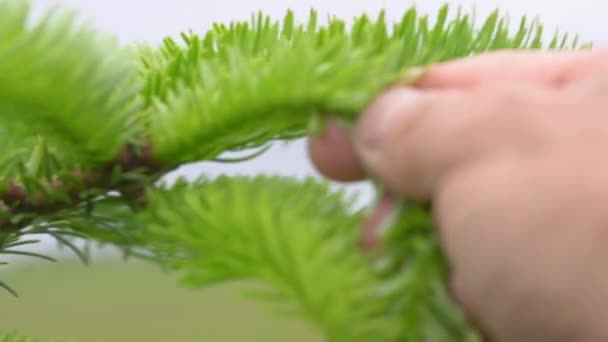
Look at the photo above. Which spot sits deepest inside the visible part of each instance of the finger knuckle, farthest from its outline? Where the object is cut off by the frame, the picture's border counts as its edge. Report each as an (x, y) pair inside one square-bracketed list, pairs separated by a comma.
[(500, 115), (502, 106)]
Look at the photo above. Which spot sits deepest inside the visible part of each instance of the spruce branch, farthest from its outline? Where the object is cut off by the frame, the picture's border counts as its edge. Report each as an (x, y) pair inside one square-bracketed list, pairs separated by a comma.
[(68, 133), (296, 237), (245, 84), (63, 80), (299, 239), (62, 193)]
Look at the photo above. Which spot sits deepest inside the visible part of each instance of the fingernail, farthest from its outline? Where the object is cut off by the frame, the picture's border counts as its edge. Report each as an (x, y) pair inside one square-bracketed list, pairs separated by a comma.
[(382, 216), (385, 114), (412, 76)]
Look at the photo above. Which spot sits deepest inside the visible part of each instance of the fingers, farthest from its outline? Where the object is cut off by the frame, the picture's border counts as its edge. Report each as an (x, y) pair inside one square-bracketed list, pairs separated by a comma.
[(390, 138), (332, 153), (412, 140), (594, 86), (553, 69), (455, 113), (334, 156), (383, 211)]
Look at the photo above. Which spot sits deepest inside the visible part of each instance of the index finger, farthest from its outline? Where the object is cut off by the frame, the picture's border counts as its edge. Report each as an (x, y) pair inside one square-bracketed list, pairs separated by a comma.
[(555, 69)]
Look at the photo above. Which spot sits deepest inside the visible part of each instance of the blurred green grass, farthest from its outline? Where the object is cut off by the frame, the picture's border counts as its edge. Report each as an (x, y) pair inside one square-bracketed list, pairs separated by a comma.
[(134, 301)]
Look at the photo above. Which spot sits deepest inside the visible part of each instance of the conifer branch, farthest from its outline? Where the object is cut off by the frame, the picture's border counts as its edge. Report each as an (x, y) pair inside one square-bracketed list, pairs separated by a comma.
[(16, 201)]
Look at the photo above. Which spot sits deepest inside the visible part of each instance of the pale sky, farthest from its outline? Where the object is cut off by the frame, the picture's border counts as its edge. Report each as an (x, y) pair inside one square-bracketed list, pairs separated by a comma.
[(151, 20)]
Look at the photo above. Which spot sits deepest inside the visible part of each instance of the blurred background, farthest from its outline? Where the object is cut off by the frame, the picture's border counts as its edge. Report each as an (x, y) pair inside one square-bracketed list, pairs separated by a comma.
[(116, 301)]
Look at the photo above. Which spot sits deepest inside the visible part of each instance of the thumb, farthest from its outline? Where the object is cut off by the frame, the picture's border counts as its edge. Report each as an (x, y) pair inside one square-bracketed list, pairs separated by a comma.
[(409, 139)]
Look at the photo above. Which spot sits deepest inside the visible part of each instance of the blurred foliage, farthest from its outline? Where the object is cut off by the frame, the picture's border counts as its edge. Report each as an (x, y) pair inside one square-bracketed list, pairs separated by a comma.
[(132, 302)]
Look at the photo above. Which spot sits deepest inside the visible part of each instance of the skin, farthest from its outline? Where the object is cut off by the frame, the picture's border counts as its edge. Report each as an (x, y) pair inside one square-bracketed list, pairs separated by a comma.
[(511, 147)]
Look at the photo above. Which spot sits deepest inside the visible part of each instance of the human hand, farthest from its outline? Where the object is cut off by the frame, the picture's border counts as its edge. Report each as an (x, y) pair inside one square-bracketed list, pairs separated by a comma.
[(511, 148)]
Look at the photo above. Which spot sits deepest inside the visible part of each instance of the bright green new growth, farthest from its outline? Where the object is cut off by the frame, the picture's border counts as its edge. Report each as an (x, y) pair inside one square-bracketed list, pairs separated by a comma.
[(298, 237), (64, 82), (278, 76), (87, 129)]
